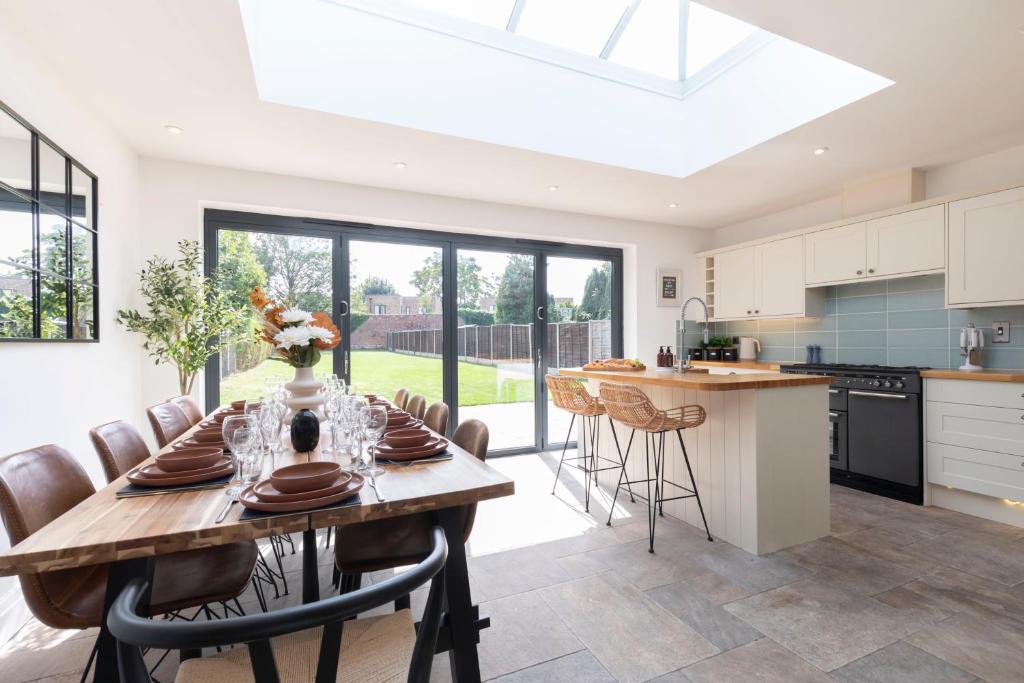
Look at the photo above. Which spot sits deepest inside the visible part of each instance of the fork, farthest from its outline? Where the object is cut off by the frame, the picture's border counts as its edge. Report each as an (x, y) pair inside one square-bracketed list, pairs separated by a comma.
[(376, 490)]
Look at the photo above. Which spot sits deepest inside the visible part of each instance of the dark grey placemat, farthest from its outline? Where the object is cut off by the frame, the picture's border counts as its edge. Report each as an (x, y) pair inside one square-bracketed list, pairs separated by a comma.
[(440, 457), (134, 491), (249, 513)]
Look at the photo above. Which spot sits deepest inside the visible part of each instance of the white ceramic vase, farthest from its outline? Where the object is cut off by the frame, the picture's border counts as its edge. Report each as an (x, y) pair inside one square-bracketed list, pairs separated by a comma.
[(304, 392)]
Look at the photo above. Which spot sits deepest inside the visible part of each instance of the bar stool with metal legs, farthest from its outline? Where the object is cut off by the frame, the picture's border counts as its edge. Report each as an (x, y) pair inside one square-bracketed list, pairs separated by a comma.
[(569, 394), (631, 406)]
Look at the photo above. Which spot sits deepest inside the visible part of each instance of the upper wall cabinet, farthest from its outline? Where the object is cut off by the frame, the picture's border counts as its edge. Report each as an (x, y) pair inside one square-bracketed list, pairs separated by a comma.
[(986, 240), (764, 281), (908, 243)]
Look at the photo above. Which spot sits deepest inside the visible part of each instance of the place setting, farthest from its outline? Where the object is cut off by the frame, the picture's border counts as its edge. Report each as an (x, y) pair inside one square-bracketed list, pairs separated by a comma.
[(303, 487), (405, 446), (182, 469)]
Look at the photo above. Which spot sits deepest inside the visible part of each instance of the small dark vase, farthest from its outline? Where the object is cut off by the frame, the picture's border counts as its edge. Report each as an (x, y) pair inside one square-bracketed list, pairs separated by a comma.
[(305, 431)]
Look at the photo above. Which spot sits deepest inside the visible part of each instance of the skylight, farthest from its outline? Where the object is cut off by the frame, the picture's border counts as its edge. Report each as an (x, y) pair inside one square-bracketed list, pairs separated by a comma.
[(671, 39)]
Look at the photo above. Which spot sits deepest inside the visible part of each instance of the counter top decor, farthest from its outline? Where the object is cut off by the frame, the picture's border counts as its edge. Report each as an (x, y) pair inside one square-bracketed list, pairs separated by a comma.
[(703, 381)]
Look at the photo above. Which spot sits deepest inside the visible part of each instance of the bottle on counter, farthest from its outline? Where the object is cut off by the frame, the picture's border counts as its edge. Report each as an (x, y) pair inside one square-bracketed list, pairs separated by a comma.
[(661, 356), (670, 359)]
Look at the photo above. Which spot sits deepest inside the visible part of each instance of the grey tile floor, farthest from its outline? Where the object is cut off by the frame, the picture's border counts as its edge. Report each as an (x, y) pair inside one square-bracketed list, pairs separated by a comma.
[(896, 593)]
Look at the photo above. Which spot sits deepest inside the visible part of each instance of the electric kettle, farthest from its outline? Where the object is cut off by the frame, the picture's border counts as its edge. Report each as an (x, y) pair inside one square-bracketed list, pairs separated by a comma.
[(749, 348)]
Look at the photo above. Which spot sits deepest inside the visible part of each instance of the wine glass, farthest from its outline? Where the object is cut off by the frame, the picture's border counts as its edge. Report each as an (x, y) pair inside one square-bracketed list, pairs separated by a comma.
[(375, 419), (270, 427), (331, 408), (238, 432)]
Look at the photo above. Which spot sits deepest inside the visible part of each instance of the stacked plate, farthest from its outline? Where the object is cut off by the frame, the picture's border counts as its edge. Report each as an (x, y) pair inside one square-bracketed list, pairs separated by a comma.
[(410, 444), (399, 419), (211, 435), (183, 466), (302, 487)]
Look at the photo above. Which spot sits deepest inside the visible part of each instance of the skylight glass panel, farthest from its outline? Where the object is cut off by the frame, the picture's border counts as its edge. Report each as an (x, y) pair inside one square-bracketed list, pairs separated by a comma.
[(578, 25), (494, 13), (650, 42), (711, 34)]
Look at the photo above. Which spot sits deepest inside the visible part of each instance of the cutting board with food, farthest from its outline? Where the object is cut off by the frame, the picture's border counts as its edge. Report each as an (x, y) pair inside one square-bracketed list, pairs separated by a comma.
[(616, 365)]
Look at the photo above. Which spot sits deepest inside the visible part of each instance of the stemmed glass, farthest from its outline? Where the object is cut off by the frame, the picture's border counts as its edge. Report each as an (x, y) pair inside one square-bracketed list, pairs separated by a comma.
[(270, 417), (374, 419), (239, 432), (332, 406)]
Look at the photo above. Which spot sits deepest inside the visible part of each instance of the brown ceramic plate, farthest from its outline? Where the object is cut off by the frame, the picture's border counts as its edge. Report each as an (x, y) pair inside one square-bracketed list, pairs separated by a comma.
[(416, 454), (407, 438), (238, 405), (188, 459), (307, 476), (192, 443), (225, 414), (209, 424), (154, 471), (209, 435), (181, 477), (433, 442), (411, 424), (250, 500), (266, 492)]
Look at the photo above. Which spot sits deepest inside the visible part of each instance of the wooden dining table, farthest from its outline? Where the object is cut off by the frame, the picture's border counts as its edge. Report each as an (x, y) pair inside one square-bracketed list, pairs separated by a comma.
[(129, 533)]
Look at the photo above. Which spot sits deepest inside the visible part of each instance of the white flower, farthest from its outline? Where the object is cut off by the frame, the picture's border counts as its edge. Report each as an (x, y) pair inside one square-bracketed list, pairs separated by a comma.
[(320, 333), (295, 316), (293, 336)]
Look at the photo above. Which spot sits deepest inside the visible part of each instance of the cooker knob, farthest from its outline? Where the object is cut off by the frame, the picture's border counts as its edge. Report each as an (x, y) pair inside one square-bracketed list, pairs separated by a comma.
[(876, 383), (887, 384), (899, 385)]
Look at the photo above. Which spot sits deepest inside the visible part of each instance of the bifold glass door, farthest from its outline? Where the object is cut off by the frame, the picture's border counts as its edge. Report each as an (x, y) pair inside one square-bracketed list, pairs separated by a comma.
[(475, 322)]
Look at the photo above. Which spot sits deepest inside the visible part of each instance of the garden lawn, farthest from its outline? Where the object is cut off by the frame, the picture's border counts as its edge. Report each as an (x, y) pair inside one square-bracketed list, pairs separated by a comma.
[(384, 373)]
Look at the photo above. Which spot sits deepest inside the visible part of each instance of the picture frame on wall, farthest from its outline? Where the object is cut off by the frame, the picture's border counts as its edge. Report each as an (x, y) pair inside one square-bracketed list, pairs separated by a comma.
[(670, 286)]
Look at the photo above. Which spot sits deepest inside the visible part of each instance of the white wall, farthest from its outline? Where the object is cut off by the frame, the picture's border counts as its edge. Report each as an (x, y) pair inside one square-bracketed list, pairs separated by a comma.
[(174, 195), (1005, 167), (54, 393)]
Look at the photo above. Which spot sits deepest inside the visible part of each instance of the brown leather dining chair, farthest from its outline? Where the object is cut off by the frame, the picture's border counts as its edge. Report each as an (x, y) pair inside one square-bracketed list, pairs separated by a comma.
[(168, 422), (398, 541), (436, 417), (401, 398), (120, 447), (188, 406), (417, 406), (41, 484)]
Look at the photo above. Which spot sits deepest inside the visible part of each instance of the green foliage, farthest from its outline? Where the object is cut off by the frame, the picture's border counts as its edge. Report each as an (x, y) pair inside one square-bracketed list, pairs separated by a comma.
[(238, 267), (515, 291), (474, 317), (16, 314), (187, 318), (597, 295), (718, 342), (375, 284), (470, 288), (298, 270)]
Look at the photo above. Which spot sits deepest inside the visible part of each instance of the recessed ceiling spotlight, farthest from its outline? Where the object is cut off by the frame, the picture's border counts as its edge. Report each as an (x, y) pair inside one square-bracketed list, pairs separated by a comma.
[(174, 130), (552, 188), (673, 205), (400, 164), (819, 151)]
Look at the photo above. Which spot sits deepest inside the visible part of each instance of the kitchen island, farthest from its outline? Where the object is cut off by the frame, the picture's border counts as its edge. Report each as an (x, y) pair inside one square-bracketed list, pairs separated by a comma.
[(760, 459)]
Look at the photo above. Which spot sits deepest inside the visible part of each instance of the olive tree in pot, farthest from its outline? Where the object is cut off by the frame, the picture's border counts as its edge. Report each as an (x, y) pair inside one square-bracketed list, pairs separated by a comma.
[(187, 317)]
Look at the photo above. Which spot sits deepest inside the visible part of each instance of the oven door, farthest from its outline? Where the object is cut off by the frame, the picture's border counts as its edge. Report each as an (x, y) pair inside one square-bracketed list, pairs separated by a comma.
[(885, 436), (837, 458)]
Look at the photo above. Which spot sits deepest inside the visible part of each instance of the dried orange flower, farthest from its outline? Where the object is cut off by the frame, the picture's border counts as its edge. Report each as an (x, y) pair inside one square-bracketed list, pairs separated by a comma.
[(259, 298), (323, 320)]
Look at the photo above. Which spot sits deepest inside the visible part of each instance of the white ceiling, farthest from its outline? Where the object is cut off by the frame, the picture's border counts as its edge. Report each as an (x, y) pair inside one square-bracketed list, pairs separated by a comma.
[(958, 93)]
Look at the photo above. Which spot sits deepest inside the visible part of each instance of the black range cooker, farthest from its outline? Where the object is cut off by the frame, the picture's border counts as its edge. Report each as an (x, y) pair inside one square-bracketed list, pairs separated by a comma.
[(875, 427)]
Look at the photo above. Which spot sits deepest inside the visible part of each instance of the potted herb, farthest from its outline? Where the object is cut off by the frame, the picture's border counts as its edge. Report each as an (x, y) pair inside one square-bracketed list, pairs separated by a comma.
[(715, 346)]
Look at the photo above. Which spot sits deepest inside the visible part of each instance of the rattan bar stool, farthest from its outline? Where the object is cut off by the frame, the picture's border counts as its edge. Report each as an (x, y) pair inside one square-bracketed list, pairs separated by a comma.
[(631, 406), (569, 394)]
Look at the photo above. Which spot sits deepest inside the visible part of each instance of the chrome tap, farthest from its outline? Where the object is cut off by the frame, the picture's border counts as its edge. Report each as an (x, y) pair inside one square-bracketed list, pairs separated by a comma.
[(682, 336)]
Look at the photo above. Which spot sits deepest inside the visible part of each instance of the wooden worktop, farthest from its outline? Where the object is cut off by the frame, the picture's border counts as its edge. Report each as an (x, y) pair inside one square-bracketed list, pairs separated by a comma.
[(744, 364), (701, 381), (986, 375)]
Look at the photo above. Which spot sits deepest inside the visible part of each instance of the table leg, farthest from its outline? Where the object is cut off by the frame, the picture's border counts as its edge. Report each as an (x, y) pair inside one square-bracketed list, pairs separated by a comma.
[(310, 575), (461, 617), (118, 575)]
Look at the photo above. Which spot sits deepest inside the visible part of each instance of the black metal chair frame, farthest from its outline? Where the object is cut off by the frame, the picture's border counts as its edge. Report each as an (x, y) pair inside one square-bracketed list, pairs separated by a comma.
[(655, 441), (589, 464), (134, 631)]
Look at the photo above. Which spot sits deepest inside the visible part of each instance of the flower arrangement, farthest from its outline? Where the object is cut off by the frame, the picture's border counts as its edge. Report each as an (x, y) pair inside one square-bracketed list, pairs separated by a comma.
[(297, 336)]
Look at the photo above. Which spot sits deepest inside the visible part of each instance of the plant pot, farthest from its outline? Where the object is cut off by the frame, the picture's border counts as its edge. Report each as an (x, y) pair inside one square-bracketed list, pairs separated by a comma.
[(713, 353), (304, 393), (696, 352), (730, 353)]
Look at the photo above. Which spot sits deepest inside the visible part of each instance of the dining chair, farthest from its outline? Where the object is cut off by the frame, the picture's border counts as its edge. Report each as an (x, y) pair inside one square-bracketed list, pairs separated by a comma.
[(392, 542), (401, 398), (39, 485), (436, 417), (188, 406), (417, 406), (168, 422), (119, 446), (297, 643)]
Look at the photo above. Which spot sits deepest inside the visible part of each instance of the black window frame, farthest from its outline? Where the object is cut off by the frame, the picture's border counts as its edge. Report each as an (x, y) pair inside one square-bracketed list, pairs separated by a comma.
[(72, 209)]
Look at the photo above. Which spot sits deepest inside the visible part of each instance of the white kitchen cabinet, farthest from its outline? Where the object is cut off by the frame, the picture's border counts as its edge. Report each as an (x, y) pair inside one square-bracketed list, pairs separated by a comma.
[(734, 283), (836, 254), (975, 436), (907, 243), (985, 243), (779, 279)]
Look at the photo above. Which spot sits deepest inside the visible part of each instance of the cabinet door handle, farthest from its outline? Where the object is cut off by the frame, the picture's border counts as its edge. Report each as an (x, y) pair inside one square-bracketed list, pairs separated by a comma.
[(871, 270), (748, 312), (756, 311), (860, 272)]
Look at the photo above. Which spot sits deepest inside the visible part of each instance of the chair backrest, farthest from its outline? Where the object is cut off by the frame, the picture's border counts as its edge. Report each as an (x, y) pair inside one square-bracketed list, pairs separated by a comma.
[(628, 404), (401, 398), (569, 393), (134, 630), (417, 406), (436, 417), (188, 406), (168, 422), (473, 436), (120, 447), (36, 487)]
